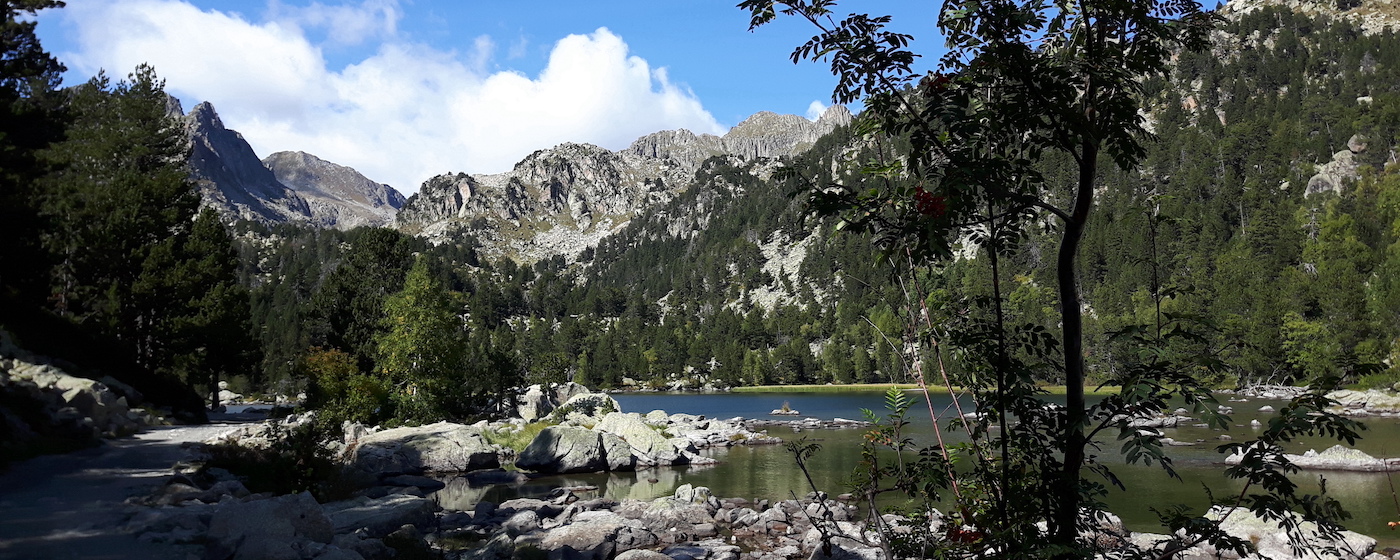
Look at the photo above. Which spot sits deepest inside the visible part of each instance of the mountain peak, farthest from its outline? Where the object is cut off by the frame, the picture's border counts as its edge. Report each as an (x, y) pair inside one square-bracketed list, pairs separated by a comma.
[(338, 195)]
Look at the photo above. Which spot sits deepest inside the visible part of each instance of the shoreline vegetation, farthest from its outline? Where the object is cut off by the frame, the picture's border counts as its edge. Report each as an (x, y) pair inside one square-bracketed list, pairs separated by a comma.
[(882, 387)]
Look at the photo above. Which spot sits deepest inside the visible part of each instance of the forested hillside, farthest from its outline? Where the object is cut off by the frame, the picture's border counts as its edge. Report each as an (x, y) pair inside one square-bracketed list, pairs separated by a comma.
[(1267, 213)]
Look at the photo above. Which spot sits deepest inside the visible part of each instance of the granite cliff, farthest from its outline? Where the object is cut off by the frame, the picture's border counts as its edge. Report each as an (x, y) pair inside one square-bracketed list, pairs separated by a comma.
[(338, 196), (287, 187), (566, 198)]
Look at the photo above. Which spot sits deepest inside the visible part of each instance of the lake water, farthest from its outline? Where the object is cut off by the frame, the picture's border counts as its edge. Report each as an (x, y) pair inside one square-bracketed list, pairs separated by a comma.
[(768, 472)]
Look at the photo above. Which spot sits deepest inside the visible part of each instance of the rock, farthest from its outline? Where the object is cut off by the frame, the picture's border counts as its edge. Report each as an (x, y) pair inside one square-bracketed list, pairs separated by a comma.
[(1266, 409), (617, 452), (564, 449), (586, 408), (379, 517), (596, 535), (1357, 143), (368, 548), (521, 522), (337, 196), (415, 481), (847, 549), (440, 447), (232, 179), (667, 514), (500, 547), (642, 554), (1273, 542), (337, 553), (1334, 175), (408, 543), (268, 528), (648, 445)]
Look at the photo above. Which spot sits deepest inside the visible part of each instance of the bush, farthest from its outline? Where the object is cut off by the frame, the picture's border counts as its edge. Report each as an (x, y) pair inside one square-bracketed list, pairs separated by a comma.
[(1383, 380), (295, 460)]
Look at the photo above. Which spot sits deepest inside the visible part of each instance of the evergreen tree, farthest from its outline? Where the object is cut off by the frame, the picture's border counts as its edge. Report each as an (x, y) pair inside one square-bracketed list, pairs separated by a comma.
[(30, 119)]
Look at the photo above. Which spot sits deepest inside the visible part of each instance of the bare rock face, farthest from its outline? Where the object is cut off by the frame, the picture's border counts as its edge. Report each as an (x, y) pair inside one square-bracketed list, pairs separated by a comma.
[(1373, 16), (232, 179), (338, 196), (567, 198)]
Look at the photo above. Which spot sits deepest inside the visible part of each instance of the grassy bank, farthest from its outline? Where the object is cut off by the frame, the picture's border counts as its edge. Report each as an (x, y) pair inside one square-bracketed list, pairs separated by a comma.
[(882, 387)]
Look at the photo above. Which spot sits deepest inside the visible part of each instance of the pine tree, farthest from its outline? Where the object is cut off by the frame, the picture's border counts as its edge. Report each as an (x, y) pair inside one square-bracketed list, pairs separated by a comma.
[(30, 119)]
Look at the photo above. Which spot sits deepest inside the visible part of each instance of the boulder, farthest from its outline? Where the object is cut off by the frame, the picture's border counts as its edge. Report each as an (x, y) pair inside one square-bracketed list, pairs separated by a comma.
[(642, 554), (271, 528), (596, 535), (1335, 458), (586, 408), (690, 507), (564, 449), (440, 447), (617, 452), (1270, 541), (379, 517), (648, 444), (537, 401)]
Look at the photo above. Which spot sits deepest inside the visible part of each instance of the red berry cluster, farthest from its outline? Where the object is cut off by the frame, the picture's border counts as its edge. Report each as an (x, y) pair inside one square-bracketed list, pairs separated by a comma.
[(929, 204)]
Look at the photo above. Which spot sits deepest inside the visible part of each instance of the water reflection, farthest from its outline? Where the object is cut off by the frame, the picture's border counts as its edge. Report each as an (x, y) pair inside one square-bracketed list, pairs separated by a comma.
[(768, 472)]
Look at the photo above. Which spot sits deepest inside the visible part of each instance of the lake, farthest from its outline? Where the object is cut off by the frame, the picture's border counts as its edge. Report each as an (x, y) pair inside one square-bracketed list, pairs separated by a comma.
[(768, 472)]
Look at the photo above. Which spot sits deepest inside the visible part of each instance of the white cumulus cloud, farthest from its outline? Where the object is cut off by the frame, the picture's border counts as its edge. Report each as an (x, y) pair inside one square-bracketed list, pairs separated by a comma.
[(400, 115), (815, 110)]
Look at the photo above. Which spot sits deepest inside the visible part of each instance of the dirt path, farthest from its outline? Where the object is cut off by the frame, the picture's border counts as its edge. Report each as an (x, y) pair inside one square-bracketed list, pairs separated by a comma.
[(70, 506)]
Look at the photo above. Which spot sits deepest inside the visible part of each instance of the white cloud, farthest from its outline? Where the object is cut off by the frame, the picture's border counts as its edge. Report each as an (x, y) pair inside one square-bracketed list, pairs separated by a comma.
[(405, 113), (344, 24), (815, 110)]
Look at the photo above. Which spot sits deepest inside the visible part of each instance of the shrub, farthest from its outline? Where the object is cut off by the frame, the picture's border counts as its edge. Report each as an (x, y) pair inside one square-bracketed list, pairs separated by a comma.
[(296, 459)]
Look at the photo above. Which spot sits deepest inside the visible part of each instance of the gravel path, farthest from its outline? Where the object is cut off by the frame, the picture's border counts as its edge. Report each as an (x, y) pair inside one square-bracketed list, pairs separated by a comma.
[(70, 506)]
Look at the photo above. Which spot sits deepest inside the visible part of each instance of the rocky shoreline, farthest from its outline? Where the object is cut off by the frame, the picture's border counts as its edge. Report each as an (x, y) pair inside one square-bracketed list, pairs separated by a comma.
[(400, 522)]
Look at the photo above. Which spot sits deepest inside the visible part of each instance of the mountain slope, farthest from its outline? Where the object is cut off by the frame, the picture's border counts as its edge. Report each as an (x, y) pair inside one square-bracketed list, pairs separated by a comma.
[(230, 176), (565, 199), (338, 196)]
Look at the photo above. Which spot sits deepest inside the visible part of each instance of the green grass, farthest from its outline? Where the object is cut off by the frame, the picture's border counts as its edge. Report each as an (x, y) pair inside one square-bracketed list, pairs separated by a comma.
[(516, 440), (882, 387)]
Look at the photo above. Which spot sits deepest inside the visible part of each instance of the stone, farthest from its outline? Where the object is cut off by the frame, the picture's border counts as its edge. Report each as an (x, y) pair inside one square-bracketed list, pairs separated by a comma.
[(268, 528), (617, 452), (442, 447), (369, 548), (500, 547), (415, 481), (648, 444), (1357, 143), (521, 522), (595, 535), (379, 517), (337, 196), (1273, 542), (336, 553), (642, 554), (564, 449), (586, 408), (847, 549)]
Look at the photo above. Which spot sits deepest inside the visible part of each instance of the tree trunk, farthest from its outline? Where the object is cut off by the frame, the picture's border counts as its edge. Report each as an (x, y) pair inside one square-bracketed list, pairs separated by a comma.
[(1066, 513)]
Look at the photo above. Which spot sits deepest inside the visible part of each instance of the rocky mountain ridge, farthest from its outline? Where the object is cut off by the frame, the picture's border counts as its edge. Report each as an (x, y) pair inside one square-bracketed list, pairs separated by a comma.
[(287, 187), (566, 198), (1370, 16), (338, 195)]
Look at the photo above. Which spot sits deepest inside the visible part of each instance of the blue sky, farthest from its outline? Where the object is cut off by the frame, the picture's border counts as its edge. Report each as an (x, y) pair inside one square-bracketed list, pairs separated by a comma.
[(406, 89)]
